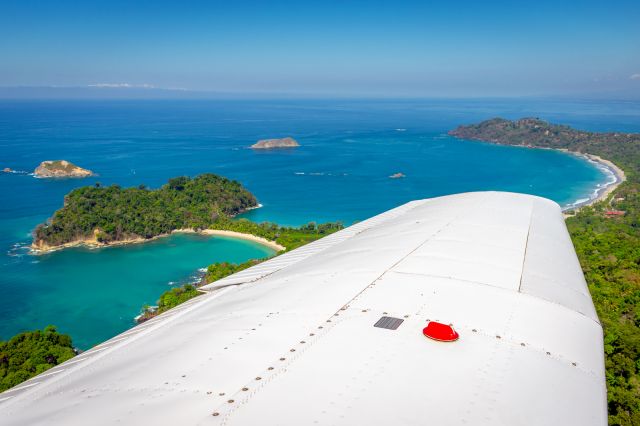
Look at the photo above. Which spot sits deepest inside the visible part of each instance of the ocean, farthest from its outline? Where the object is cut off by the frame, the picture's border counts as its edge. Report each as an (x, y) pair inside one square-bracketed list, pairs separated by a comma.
[(349, 148)]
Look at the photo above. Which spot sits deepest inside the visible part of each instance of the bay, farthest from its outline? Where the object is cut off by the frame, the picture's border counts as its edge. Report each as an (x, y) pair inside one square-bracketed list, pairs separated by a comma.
[(349, 148)]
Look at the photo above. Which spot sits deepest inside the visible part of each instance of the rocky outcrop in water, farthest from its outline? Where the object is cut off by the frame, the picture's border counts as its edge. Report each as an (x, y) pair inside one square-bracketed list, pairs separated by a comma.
[(61, 169), (275, 143)]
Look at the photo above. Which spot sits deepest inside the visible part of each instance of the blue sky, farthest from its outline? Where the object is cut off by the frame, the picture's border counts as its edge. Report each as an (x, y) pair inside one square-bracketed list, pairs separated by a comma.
[(359, 48)]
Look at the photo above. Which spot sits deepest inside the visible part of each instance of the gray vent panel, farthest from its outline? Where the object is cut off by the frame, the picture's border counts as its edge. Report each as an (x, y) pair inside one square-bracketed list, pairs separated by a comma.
[(390, 323)]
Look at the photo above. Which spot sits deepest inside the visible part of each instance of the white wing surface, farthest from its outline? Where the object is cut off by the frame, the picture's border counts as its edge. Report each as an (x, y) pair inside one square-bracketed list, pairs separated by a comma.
[(292, 341)]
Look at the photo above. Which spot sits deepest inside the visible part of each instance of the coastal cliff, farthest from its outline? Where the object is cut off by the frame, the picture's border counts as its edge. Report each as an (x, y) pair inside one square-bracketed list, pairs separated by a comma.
[(275, 143), (61, 169)]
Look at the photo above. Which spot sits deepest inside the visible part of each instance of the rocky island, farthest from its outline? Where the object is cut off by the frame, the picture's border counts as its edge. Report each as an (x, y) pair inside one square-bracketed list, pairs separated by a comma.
[(275, 143), (61, 169), (397, 176)]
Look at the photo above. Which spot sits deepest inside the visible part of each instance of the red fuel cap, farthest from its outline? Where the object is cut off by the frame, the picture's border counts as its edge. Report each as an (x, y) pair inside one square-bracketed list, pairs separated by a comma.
[(440, 332)]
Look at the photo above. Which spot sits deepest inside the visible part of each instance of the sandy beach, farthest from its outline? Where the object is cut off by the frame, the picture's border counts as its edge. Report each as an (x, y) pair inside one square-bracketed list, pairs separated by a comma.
[(603, 191), (94, 243), (240, 235)]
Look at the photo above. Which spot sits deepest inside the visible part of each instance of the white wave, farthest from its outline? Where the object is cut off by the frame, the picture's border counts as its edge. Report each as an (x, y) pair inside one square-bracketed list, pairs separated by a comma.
[(256, 207), (321, 174), (576, 203), (612, 178), (19, 250)]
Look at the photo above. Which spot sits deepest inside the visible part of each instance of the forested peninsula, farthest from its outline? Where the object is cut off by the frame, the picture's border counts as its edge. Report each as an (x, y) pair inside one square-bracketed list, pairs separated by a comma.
[(606, 236), (621, 148), (101, 216), (98, 215)]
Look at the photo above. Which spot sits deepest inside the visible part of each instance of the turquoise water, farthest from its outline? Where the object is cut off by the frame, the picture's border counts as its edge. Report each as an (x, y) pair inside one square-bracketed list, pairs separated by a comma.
[(349, 148), (93, 294)]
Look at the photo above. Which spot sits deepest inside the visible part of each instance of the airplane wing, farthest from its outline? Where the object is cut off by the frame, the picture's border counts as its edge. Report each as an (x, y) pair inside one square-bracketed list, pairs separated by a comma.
[(336, 332)]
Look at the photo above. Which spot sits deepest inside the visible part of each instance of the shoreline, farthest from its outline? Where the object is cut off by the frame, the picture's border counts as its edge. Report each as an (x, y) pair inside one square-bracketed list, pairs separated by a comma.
[(233, 234), (602, 191), (94, 244)]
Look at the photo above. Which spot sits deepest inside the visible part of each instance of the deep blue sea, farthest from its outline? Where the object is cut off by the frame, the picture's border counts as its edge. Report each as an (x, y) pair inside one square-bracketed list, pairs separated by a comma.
[(341, 172)]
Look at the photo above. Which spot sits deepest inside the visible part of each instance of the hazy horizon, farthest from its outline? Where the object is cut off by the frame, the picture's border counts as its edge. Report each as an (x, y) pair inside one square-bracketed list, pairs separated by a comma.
[(361, 49), (8, 93)]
